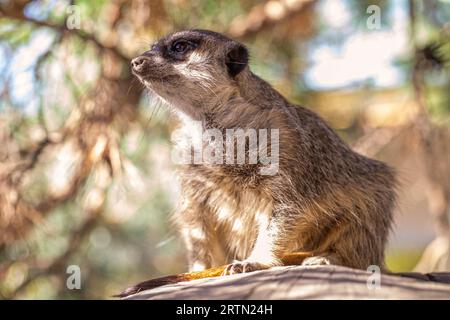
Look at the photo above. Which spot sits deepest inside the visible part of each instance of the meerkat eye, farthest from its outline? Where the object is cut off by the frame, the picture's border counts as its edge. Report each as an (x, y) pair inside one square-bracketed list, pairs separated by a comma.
[(180, 46)]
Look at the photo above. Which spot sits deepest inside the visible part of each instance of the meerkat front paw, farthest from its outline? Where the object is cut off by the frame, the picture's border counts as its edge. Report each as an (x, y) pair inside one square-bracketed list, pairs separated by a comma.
[(243, 267), (316, 261)]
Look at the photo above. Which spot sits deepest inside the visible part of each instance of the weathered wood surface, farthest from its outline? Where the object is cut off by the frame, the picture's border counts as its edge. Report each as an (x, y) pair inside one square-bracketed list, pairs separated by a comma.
[(299, 282)]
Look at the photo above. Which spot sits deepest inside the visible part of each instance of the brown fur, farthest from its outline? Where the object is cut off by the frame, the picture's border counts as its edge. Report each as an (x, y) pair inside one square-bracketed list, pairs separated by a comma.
[(325, 198)]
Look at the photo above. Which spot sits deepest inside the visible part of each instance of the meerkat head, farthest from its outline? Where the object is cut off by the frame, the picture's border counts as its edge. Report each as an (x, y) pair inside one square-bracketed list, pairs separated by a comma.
[(187, 68)]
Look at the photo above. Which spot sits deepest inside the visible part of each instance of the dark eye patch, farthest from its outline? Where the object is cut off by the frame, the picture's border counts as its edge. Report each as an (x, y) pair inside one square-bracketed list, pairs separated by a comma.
[(178, 49), (180, 46)]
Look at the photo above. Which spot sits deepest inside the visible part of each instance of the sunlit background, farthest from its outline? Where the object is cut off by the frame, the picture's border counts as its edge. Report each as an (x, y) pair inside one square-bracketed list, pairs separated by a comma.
[(85, 172)]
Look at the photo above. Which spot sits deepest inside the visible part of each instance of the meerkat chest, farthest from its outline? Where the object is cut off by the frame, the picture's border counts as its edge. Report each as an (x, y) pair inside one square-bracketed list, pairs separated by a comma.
[(238, 216), (235, 207)]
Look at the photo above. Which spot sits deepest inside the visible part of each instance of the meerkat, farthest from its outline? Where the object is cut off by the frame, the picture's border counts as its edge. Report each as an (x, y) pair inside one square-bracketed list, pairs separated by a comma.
[(325, 203)]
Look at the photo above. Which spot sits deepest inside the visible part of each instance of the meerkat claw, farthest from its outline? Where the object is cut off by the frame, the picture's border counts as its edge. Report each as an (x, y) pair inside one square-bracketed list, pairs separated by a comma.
[(243, 267)]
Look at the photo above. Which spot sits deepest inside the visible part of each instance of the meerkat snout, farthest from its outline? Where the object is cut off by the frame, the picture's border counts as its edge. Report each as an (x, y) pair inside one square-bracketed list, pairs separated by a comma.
[(140, 65)]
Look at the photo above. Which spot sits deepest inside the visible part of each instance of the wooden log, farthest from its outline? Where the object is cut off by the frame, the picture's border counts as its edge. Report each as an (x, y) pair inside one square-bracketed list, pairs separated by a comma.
[(301, 282)]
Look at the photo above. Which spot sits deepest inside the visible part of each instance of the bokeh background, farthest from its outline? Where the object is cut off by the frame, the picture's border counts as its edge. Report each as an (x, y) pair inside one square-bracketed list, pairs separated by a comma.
[(85, 171)]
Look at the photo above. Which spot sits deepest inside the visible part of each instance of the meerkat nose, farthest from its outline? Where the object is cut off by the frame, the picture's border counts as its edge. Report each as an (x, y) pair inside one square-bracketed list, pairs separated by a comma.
[(138, 64)]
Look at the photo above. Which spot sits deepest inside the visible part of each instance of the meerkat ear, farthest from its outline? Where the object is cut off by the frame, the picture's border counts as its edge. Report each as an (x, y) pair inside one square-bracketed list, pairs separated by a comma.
[(236, 59)]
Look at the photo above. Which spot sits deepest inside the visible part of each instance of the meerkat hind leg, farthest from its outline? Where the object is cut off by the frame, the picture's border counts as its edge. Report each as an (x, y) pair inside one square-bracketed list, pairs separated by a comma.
[(261, 257)]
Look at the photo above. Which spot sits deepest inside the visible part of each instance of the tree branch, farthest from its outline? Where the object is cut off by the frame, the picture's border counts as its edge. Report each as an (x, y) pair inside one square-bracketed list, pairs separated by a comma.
[(58, 264), (264, 16), (374, 141), (62, 28)]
